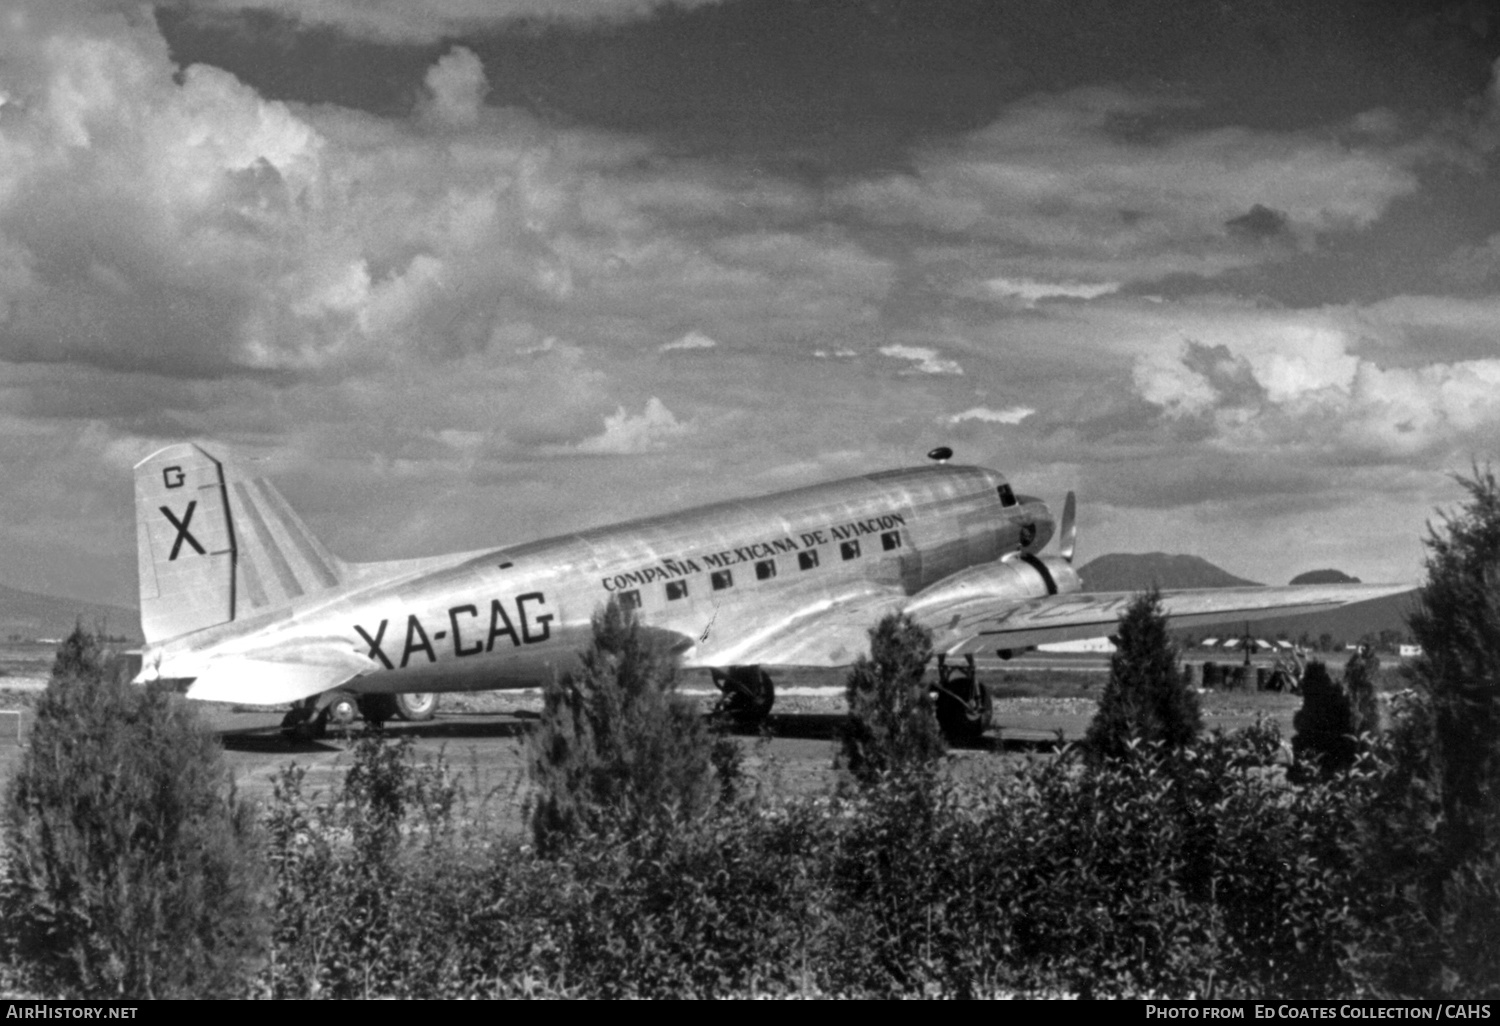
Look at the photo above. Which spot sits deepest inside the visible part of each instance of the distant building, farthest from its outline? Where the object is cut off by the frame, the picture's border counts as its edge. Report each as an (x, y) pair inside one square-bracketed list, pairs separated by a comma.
[(1085, 645)]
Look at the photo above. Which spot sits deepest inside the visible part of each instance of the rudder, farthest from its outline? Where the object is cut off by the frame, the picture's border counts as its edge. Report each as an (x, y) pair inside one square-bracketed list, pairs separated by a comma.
[(184, 542), (214, 546)]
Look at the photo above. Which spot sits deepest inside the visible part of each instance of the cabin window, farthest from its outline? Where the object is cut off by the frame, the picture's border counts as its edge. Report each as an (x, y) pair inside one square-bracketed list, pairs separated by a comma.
[(629, 599), (676, 590), (722, 579), (890, 540), (849, 550), (1007, 497), (807, 560), (765, 570)]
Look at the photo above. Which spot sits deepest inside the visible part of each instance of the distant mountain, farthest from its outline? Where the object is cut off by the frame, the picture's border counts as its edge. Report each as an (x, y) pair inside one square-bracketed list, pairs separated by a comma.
[(32, 616), (1324, 577), (1137, 571)]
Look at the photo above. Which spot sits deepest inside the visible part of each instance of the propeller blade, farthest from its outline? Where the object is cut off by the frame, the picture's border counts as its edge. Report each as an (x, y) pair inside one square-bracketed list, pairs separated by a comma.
[(1068, 536)]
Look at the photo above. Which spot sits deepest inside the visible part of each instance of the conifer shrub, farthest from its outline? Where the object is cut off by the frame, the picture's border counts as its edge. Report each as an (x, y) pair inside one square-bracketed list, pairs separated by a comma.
[(1360, 675), (1145, 699), (1457, 623), (617, 748), (1432, 827), (892, 726), (1326, 738), (132, 867)]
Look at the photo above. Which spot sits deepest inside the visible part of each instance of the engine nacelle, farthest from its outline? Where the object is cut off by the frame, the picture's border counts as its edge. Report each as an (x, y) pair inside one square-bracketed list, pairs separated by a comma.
[(1015, 578)]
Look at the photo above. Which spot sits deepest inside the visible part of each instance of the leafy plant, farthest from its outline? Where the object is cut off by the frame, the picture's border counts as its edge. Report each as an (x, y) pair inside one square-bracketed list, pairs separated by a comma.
[(1327, 733), (1457, 623), (892, 726), (132, 867), (1145, 698), (616, 747)]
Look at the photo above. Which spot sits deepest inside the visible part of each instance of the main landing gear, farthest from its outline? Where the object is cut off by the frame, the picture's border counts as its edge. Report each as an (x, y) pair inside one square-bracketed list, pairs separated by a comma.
[(964, 707), (414, 707), (311, 717), (746, 695)]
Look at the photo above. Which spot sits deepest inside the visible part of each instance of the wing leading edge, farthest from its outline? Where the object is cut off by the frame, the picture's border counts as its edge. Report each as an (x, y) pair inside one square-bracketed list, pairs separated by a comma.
[(1095, 614)]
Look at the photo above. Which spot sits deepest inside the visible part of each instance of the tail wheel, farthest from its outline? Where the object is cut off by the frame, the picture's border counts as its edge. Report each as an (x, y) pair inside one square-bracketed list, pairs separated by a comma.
[(416, 706), (747, 694), (964, 707)]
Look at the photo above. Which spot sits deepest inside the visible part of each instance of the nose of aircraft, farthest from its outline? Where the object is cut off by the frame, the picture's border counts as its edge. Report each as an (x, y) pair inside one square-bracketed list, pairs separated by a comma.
[(1033, 511)]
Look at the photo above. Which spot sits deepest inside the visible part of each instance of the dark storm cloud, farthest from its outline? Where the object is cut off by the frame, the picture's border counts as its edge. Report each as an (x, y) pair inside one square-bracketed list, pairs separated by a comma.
[(1260, 224), (829, 85)]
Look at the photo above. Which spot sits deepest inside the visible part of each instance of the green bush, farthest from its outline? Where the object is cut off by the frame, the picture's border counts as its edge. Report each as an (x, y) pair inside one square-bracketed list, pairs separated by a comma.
[(1327, 736), (359, 876), (1173, 872), (1360, 675), (616, 747), (1457, 623), (132, 869), (1432, 826), (892, 726), (1145, 698)]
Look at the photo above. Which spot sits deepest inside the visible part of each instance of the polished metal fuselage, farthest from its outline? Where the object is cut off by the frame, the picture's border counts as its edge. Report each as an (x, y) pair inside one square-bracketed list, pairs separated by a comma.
[(714, 577)]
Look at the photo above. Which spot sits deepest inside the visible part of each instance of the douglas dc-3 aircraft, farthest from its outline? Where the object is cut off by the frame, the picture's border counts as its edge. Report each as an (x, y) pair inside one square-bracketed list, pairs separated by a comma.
[(242, 604)]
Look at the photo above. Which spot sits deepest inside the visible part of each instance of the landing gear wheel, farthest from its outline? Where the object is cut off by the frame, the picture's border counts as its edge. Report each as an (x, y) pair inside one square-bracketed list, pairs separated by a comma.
[(340, 713), (303, 722), (747, 695), (964, 707), (377, 709), (416, 706)]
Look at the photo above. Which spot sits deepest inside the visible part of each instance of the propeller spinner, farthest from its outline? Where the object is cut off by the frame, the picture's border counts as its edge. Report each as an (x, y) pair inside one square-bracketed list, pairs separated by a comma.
[(1068, 536)]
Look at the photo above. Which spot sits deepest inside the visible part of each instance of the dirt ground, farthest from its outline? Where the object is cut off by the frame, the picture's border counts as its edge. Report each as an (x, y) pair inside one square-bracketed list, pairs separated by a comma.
[(481, 736)]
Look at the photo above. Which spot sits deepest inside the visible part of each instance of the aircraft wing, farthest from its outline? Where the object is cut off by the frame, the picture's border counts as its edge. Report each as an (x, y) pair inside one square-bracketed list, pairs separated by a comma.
[(971, 628), (270, 676)]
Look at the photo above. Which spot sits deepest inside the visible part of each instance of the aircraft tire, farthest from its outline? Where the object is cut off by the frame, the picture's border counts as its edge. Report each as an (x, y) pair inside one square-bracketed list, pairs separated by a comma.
[(341, 712), (417, 706), (301, 724), (377, 709), (749, 693), (965, 709)]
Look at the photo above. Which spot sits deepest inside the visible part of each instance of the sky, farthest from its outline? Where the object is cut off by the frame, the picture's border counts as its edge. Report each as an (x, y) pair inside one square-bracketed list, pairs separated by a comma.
[(463, 273)]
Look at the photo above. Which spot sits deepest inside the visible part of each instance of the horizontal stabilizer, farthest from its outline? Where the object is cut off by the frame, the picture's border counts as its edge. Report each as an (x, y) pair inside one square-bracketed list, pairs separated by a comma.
[(276, 678)]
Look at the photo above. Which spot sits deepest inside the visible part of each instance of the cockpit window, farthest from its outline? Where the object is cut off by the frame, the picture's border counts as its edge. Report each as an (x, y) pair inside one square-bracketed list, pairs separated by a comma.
[(1007, 497)]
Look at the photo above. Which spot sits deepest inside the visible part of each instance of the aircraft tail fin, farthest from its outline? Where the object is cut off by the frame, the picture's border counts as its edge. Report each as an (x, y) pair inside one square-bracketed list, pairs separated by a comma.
[(214, 546)]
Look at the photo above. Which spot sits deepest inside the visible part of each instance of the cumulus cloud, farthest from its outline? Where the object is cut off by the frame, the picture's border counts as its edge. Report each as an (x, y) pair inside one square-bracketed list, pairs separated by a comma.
[(1260, 224), (625, 434), (1052, 175), (927, 361), (1009, 415), (403, 307), (692, 340), (456, 87), (1031, 291), (1316, 382)]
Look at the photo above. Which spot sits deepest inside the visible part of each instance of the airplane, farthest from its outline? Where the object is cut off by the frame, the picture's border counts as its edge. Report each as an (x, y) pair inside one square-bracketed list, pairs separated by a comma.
[(241, 603)]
